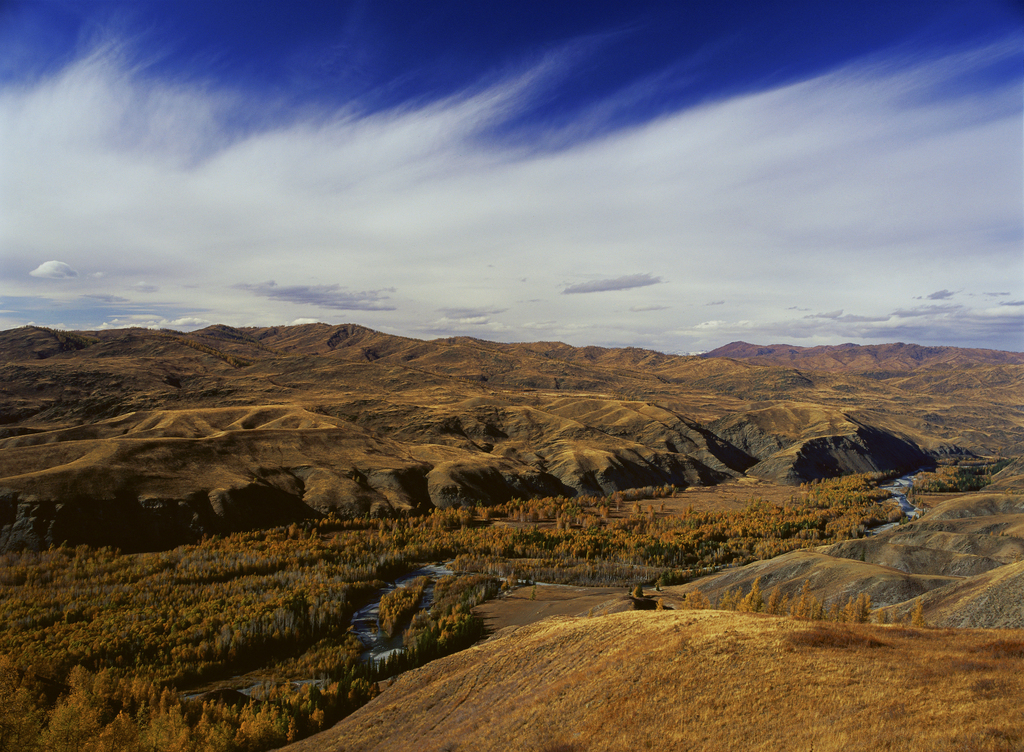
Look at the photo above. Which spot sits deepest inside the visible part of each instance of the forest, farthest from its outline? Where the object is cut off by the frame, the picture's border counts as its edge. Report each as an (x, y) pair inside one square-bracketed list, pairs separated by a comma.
[(103, 650), (954, 477)]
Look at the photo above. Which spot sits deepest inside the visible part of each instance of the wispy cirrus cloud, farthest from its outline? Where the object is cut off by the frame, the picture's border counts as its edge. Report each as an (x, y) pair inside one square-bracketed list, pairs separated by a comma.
[(772, 201), (105, 298), (470, 313), (930, 310), (840, 315)]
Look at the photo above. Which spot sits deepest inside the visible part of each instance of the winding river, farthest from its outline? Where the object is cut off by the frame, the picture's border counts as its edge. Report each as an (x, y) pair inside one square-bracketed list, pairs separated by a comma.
[(898, 488), (364, 621)]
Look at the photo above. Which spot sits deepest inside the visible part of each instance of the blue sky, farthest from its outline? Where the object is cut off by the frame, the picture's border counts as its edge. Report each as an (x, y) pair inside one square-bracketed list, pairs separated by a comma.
[(665, 175)]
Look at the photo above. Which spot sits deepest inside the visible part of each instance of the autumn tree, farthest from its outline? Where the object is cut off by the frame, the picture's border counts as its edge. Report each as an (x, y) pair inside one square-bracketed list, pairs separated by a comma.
[(19, 718), (76, 718), (802, 608), (917, 617), (754, 600)]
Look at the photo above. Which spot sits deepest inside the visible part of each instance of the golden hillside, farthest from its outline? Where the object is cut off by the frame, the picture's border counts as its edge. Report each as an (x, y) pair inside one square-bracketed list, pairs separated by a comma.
[(706, 680)]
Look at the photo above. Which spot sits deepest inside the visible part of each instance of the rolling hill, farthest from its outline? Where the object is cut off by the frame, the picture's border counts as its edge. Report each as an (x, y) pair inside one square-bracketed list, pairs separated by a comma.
[(145, 439)]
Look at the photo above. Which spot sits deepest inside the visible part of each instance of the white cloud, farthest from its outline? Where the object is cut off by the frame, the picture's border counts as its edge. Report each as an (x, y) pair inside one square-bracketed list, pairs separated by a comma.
[(844, 193), (145, 322), (54, 270)]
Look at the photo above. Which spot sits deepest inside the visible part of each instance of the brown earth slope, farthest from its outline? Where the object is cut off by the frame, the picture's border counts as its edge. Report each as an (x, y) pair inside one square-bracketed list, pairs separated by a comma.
[(144, 439)]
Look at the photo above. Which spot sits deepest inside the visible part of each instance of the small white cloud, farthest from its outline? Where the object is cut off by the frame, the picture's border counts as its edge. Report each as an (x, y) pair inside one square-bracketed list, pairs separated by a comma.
[(144, 287), (54, 270), (184, 321), (296, 322)]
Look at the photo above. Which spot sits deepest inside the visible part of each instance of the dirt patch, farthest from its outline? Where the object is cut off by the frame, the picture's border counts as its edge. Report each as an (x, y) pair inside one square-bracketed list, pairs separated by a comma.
[(731, 496), (530, 604)]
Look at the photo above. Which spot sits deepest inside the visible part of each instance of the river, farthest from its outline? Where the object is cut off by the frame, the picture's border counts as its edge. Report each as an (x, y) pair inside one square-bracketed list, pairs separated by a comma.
[(364, 622), (898, 488), (377, 644)]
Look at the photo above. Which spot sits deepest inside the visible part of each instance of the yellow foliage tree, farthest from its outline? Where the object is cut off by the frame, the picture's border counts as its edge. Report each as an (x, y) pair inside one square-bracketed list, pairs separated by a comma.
[(19, 718)]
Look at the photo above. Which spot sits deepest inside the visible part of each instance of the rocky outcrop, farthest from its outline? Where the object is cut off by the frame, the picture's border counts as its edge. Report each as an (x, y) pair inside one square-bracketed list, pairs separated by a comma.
[(843, 445)]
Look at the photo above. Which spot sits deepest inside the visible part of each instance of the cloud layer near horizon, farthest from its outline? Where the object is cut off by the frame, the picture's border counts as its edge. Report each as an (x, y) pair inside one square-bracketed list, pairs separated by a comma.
[(849, 197)]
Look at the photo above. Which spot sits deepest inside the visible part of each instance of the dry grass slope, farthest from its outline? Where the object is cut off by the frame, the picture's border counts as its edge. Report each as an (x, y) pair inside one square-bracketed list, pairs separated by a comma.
[(702, 680)]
